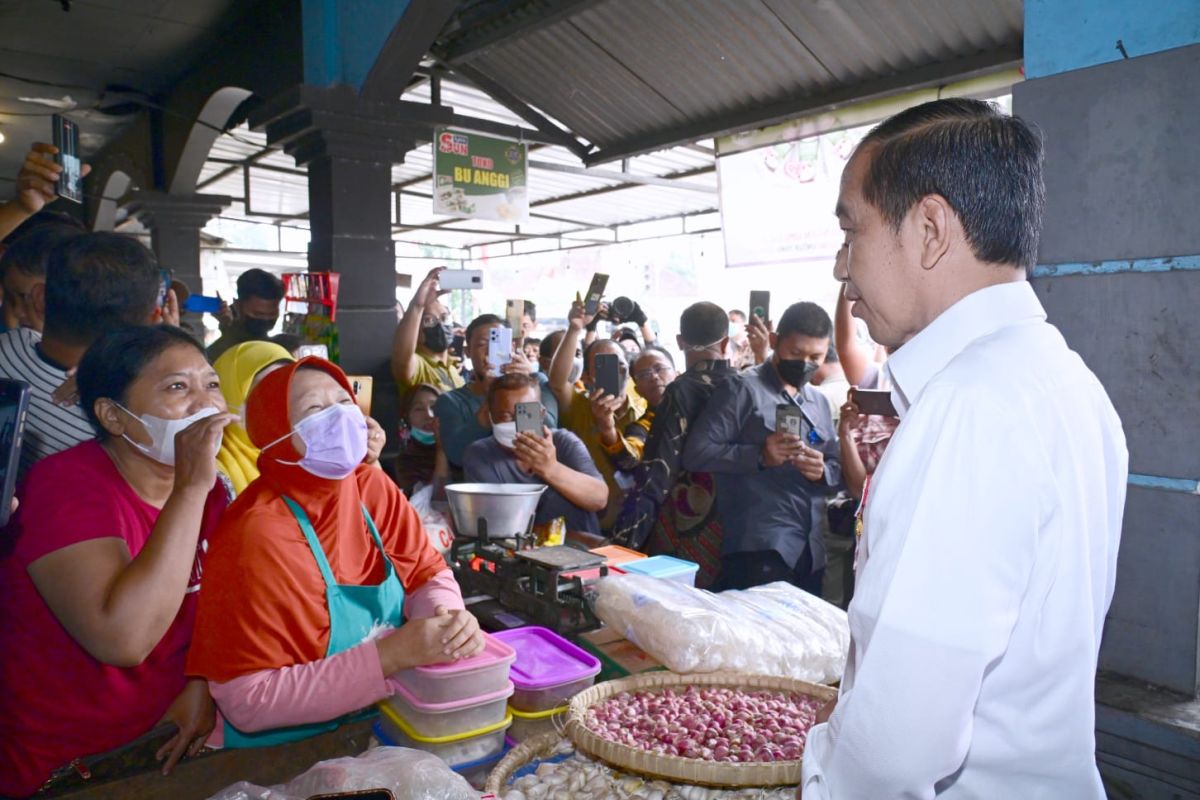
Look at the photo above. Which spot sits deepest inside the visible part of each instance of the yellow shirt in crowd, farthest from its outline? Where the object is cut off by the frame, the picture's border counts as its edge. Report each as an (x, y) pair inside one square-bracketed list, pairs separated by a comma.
[(579, 421)]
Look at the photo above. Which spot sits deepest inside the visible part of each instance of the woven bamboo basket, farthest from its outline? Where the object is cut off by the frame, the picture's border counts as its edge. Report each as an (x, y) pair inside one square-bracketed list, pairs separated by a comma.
[(537, 747), (687, 770)]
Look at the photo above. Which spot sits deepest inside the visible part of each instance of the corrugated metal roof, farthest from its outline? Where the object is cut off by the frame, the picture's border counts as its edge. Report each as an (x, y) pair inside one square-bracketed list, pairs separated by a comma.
[(624, 74)]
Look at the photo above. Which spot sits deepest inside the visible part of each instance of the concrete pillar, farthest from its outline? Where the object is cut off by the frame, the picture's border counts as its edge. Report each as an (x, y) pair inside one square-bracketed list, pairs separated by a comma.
[(175, 222), (349, 145)]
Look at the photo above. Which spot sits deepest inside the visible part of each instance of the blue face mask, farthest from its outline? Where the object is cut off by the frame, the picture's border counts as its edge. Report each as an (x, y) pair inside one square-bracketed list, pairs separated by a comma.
[(422, 437)]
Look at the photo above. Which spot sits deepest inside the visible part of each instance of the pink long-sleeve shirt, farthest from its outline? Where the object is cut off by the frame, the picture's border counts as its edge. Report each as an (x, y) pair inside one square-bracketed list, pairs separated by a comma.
[(329, 687)]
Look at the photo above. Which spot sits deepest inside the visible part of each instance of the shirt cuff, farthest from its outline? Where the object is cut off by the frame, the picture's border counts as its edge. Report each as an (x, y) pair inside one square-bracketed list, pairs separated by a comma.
[(812, 781)]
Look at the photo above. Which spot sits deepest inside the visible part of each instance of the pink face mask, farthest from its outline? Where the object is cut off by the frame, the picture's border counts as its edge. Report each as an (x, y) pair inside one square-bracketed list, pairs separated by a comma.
[(335, 441)]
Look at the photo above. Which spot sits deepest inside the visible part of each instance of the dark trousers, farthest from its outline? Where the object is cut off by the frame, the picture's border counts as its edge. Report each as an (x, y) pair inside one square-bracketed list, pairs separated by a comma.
[(744, 570)]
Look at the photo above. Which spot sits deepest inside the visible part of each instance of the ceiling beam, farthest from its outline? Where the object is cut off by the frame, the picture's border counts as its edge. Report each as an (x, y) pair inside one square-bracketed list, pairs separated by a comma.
[(400, 56), (760, 116), (615, 188), (622, 177), (554, 133), (530, 17), (235, 165)]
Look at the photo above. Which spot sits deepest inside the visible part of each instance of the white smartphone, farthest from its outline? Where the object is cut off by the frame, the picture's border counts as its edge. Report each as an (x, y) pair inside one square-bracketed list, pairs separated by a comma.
[(499, 348), (461, 279)]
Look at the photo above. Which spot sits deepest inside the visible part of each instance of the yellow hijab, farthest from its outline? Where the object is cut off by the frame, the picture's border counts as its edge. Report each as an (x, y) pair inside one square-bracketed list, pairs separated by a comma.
[(237, 368)]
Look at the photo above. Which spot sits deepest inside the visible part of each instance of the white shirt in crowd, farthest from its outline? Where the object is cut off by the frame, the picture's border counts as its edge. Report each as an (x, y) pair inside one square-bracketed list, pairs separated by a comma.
[(987, 565)]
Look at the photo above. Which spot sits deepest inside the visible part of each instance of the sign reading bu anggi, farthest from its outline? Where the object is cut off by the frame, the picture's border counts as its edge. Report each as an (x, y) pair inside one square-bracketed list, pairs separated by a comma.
[(478, 176)]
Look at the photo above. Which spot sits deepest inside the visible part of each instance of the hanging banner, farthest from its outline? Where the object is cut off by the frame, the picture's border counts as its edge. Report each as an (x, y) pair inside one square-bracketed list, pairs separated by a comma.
[(480, 177)]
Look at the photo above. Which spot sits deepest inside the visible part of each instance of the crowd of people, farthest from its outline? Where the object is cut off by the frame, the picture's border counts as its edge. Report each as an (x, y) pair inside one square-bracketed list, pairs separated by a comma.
[(206, 543)]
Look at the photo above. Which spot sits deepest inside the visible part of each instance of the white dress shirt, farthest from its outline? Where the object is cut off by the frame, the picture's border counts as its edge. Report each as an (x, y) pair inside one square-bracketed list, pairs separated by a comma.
[(987, 564)]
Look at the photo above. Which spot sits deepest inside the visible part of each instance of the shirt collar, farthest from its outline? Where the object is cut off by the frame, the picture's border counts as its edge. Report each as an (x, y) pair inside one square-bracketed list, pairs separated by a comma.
[(978, 314)]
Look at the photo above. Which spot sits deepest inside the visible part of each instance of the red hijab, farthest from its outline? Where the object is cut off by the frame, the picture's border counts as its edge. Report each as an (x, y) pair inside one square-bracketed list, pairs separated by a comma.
[(262, 603)]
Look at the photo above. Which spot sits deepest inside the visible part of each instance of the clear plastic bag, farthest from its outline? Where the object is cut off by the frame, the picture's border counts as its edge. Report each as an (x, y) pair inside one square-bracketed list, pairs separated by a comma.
[(436, 523), (409, 774), (777, 629)]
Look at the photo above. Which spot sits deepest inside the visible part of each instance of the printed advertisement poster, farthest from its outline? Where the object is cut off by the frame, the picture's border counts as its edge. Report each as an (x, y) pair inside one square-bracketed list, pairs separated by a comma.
[(777, 202), (480, 177)]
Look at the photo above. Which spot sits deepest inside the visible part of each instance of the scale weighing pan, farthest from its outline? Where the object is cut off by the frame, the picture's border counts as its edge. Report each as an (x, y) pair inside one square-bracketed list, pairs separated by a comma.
[(561, 558)]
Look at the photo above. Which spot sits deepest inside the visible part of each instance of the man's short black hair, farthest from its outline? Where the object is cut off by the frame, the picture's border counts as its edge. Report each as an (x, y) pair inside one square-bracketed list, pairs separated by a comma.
[(512, 382), (116, 360), (593, 347), (261, 284), (806, 319), (99, 281), (30, 254), (656, 348), (529, 340), (831, 355), (531, 310), (483, 320), (986, 164), (737, 312), (41, 218), (703, 324)]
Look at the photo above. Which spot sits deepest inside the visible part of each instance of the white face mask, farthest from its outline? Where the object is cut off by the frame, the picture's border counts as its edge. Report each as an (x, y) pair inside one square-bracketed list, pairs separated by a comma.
[(505, 433), (162, 433), (576, 370)]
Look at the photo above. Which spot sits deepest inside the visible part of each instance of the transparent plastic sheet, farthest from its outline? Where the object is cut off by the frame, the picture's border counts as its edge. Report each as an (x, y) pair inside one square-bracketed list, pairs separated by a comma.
[(775, 629), (436, 523), (409, 774)]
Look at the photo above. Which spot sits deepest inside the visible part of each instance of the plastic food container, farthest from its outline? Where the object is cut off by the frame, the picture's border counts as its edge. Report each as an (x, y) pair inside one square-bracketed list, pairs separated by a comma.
[(526, 725), (476, 772), (471, 746), (618, 555), (665, 567), (484, 674), (548, 670), (434, 720)]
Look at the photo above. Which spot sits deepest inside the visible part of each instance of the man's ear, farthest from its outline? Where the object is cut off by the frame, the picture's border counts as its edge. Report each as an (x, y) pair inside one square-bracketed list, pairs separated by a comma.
[(773, 338), (679, 341), (937, 224), (37, 299)]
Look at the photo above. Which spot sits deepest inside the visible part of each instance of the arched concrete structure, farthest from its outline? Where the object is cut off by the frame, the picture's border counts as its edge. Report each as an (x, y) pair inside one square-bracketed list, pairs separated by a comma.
[(115, 187), (211, 120)]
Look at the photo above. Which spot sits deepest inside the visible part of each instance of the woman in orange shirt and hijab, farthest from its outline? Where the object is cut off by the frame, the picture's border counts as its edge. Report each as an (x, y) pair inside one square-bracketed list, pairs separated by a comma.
[(313, 572)]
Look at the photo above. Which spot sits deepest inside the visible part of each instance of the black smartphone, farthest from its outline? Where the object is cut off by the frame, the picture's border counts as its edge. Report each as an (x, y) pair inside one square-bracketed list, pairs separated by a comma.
[(608, 374), (788, 419), (760, 305), (457, 345), (528, 417), (591, 303), (874, 401), (66, 139), (357, 794), (14, 405)]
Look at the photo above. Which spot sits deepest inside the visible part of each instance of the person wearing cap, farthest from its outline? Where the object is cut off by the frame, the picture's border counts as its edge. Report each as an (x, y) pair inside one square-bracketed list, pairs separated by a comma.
[(319, 582), (673, 511)]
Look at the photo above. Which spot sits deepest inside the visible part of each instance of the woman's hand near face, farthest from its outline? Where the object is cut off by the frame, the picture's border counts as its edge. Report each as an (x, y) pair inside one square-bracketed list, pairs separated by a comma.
[(375, 441), (196, 452)]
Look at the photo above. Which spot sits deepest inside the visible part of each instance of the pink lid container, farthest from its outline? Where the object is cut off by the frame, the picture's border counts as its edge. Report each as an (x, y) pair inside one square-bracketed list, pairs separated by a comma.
[(549, 670), (484, 674)]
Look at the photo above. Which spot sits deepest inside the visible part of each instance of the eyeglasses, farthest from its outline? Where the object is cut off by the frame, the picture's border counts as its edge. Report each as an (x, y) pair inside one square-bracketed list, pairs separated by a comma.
[(660, 371)]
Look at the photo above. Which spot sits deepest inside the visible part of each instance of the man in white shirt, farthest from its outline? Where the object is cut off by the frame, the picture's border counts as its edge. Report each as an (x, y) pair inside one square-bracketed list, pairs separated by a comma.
[(989, 541)]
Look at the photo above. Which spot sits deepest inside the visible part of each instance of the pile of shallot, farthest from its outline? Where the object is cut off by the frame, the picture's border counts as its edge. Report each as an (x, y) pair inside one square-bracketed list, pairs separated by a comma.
[(711, 723)]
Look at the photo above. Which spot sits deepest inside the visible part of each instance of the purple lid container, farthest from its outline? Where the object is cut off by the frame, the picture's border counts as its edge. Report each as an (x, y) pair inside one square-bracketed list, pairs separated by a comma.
[(546, 659)]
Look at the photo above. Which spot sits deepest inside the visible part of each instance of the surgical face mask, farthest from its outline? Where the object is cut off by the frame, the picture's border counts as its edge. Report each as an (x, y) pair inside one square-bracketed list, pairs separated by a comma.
[(437, 337), (576, 370), (335, 441), (796, 372), (258, 328), (162, 433), (735, 328), (423, 437), (505, 433)]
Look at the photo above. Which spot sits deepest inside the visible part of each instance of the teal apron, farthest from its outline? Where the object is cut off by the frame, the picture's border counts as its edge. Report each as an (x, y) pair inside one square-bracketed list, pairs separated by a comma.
[(353, 612)]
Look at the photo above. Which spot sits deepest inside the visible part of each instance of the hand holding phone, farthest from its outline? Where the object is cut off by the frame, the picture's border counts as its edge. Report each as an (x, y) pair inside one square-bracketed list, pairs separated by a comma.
[(529, 418), (760, 305), (877, 402), (461, 279), (608, 373), (66, 139), (499, 348), (591, 304)]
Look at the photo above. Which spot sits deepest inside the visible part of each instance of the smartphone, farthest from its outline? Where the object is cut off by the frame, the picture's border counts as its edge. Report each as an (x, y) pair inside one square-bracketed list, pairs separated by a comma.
[(874, 401), (364, 388), (14, 405), (461, 279), (318, 350), (66, 139), (357, 794), (788, 419), (608, 375), (760, 305), (202, 304), (458, 345), (591, 303), (499, 348), (515, 315), (529, 418)]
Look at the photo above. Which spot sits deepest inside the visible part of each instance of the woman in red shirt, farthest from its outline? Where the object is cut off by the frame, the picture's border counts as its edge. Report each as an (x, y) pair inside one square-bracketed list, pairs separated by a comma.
[(100, 567)]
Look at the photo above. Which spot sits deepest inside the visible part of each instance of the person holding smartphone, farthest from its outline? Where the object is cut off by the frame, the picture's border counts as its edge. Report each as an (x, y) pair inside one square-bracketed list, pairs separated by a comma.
[(773, 484), (102, 565), (556, 458), (421, 345)]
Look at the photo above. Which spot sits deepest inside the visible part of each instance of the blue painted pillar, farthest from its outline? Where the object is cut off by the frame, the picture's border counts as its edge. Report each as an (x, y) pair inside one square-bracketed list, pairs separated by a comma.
[(343, 38), (1112, 86)]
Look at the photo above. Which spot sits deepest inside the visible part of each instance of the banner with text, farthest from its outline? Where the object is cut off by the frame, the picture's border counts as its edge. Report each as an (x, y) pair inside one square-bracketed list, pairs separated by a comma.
[(480, 177)]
